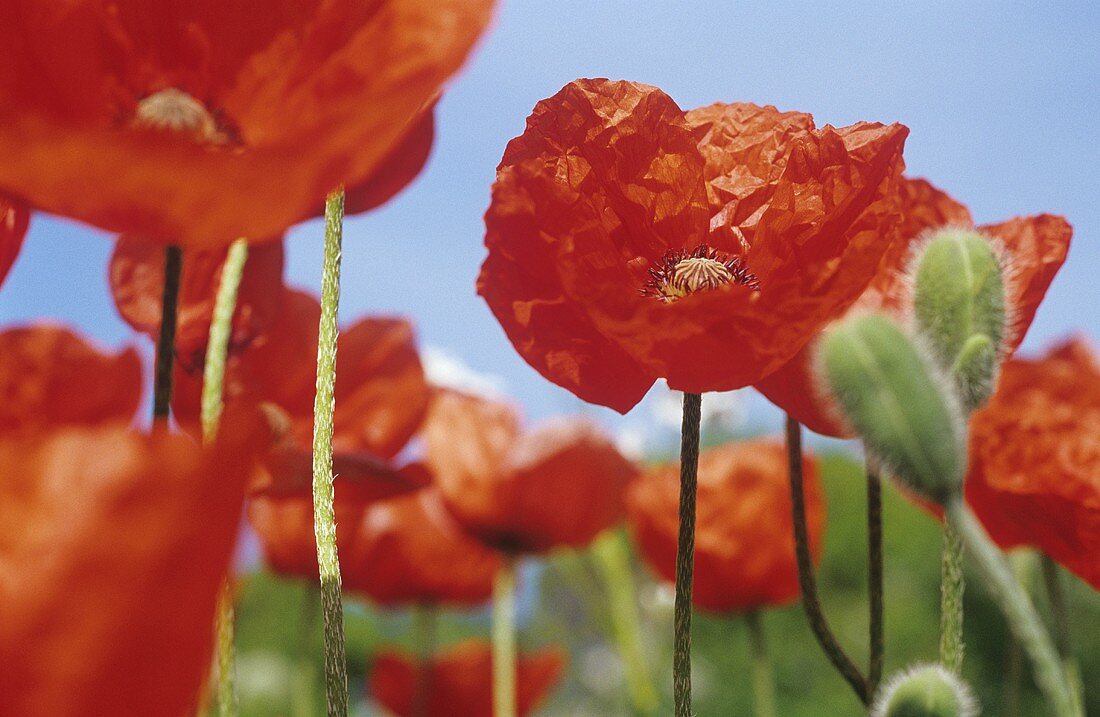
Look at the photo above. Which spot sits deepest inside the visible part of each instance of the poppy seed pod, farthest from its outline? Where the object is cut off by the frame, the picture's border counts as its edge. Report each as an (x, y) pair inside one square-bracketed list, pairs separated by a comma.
[(959, 306), (898, 401), (925, 691)]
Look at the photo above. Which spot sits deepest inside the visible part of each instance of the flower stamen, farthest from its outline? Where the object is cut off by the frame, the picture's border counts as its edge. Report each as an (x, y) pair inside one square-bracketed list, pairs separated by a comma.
[(176, 111), (681, 272)]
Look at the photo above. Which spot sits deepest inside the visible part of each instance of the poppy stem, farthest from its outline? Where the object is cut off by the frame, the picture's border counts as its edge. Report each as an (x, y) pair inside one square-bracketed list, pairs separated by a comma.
[(685, 554), (504, 639), (1014, 602), (1060, 617), (811, 603), (324, 518), (952, 585), (166, 336), (875, 587), (612, 554), (763, 682), (424, 625), (213, 388)]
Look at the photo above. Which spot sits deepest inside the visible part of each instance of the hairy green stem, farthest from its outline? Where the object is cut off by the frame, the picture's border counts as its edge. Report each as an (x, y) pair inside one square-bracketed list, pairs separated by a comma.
[(613, 557), (685, 554), (324, 517), (952, 647), (504, 640), (763, 682), (210, 412), (166, 336), (875, 587), (807, 581), (1014, 602)]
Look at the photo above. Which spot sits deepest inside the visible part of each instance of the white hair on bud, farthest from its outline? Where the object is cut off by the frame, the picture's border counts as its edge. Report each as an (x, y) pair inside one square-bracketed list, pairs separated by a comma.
[(968, 703)]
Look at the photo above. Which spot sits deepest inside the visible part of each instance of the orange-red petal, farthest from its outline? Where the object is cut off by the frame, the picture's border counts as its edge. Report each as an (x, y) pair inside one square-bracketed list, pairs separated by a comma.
[(136, 275), (14, 218), (51, 377), (460, 681), (744, 549), (343, 79), (400, 167), (113, 548)]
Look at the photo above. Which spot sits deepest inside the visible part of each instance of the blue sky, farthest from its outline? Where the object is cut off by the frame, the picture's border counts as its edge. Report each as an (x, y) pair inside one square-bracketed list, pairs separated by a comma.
[(1001, 98)]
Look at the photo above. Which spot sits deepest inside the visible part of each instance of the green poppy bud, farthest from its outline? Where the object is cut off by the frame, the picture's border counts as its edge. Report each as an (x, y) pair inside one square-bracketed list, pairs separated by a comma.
[(899, 401), (959, 305), (925, 691)]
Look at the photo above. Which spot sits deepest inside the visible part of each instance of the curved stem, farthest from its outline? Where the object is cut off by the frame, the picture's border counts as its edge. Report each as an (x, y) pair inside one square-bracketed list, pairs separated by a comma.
[(424, 625), (504, 640), (166, 336), (811, 603), (213, 387), (952, 585), (1060, 618), (612, 555), (685, 554), (763, 683), (875, 589), (324, 518), (1022, 618)]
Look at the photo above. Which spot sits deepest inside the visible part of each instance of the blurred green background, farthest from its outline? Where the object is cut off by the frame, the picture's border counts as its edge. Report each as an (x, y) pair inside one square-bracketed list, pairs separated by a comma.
[(563, 601)]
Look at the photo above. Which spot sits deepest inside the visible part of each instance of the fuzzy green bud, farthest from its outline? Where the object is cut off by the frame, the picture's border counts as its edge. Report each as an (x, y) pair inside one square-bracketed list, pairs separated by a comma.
[(925, 691), (899, 401), (959, 305)]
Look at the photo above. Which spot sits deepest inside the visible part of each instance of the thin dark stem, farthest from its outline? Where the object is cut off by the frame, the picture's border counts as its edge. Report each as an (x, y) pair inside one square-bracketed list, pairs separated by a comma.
[(166, 337), (1014, 673), (685, 555), (810, 601), (875, 588)]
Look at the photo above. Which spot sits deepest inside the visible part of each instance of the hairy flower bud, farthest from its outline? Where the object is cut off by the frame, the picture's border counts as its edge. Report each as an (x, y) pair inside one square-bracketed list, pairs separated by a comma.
[(899, 401), (925, 691), (959, 305)]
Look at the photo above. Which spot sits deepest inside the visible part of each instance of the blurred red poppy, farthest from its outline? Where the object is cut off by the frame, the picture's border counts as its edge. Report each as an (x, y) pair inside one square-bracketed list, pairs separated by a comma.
[(629, 240), (1035, 247), (136, 275), (51, 377), (1034, 476), (557, 485), (14, 218), (113, 544), (381, 394), (460, 681), (201, 122), (744, 549)]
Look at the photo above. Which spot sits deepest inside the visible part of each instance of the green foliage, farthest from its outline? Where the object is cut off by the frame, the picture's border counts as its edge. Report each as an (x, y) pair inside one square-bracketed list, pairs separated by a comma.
[(898, 402)]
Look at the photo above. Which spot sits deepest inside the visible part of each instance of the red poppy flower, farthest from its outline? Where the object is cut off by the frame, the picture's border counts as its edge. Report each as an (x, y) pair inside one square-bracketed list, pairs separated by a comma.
[(381, 395), (14, 218), (113, 545), (202, 122), (51, 377), (1034, 476), (136, 275), (744, 549), (557, 485), (460, 681), (629, 240), (1035, 246)]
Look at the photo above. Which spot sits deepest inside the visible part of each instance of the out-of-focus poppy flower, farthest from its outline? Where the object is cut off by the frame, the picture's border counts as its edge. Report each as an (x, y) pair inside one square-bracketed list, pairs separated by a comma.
[(460, 681), (629, 240), (51, 377), (556, 485), (744, 549), (1035, 248), (202, 122), (136, 275), (1034, 476), (398, 169), (113, 545), (14, 218), (381, 394)]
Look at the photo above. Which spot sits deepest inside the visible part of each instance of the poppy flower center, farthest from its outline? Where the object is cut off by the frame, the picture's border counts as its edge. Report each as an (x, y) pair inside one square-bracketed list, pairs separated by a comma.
[(176, 111), (681, 272)]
